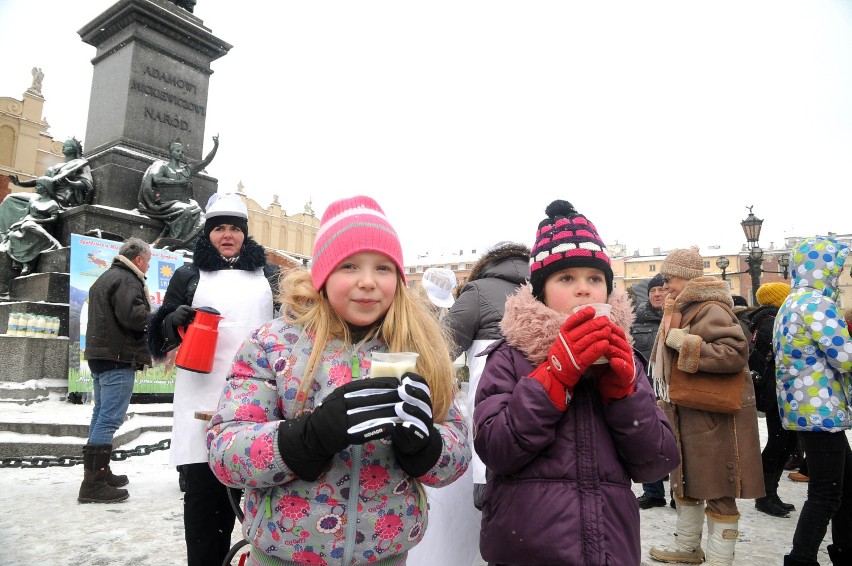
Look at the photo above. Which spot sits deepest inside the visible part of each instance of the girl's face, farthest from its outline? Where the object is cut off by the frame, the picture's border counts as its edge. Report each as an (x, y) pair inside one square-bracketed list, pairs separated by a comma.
[(227, 239), (361, 289), (673, 285), (567, 289)]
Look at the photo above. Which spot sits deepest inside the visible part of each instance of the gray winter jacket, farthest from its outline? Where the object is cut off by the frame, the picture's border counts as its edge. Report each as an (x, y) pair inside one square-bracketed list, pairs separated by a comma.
[(477, 312)]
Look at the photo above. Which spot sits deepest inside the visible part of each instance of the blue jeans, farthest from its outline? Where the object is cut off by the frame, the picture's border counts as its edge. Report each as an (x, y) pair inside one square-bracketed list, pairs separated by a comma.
[(655, 489), (112, 390), (829, 494)]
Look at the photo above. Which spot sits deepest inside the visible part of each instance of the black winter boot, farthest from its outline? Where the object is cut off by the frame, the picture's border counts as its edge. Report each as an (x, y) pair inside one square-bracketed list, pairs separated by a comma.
[(95, 488), (111, 478), (839, 556), (787, 506), (768, 505)]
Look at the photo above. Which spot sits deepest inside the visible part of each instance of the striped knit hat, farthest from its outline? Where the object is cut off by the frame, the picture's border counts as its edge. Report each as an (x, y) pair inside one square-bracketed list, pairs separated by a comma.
[(350, 226), (566, 239)]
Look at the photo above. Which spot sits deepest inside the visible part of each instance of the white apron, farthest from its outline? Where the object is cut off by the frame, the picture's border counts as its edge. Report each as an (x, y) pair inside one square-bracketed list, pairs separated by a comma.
[(244, 299)]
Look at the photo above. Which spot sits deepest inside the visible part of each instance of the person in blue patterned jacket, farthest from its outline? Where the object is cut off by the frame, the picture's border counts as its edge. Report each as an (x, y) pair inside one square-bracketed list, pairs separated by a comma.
[(813, 361), (333, 464)]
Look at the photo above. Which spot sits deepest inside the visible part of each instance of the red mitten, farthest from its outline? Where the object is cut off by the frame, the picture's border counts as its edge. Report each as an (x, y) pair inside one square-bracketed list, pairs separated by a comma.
[(617, 380), (581, 340)]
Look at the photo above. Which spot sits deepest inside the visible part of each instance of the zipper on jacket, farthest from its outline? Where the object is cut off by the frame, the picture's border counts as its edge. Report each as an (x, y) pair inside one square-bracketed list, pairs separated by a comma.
[(354, 476)]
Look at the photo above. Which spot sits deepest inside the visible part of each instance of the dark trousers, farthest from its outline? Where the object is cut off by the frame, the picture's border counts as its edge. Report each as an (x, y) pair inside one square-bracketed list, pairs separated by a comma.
[(780, 444), (829, 494), (208, 518)]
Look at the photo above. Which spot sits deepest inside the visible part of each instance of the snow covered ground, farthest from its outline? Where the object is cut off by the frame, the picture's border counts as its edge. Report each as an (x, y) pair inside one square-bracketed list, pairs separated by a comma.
[(42, 523)]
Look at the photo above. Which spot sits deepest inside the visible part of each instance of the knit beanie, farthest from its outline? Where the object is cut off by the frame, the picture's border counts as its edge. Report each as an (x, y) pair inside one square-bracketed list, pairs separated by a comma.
[(773, 293), (656, 281), (350, 226), (566, 239), (225, 209), (685, 263)]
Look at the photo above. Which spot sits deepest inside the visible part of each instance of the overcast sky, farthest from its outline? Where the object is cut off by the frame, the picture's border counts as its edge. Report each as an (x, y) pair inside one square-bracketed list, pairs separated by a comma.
[(660, 120)]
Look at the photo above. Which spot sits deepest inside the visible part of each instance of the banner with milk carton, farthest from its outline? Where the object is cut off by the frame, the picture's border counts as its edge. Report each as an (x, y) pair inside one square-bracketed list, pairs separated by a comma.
[(91, 257)]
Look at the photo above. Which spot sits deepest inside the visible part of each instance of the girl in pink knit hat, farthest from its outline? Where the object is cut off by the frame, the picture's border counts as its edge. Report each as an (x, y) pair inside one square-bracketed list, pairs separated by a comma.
[(332, 463)]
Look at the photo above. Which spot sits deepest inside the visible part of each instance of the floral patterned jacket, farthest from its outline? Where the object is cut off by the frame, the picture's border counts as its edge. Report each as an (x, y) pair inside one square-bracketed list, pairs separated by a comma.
[(813, 349), (364, 508)]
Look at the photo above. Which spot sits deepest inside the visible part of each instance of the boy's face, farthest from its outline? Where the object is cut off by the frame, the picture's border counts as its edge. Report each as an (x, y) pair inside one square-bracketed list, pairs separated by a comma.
[(569, 288), (361, 289)]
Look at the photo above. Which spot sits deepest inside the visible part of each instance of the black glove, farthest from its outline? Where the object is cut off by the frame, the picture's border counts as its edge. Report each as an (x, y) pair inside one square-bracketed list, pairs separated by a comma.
[(181, 316), (416, 442), (354, 413)]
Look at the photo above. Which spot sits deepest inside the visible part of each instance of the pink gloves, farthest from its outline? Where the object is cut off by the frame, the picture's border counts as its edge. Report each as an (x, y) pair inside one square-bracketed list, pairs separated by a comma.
[(581, 340)]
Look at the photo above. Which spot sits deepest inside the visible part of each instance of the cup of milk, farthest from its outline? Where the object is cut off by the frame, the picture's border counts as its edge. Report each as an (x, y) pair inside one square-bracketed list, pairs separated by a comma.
[(601, 309), (392, 364)]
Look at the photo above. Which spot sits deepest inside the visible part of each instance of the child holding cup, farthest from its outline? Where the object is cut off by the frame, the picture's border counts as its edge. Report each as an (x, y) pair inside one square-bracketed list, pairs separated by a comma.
[(332, 463), (565, 417)]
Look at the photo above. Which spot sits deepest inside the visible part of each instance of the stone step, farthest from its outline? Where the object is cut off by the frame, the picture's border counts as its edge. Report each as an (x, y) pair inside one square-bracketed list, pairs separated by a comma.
[(28, 359), (58, 261), (29, 439), (45, 287)]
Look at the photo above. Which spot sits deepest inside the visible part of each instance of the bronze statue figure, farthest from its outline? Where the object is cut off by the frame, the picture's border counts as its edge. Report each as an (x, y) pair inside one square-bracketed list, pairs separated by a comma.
[(27, 238), (69, 183), (166, 194)]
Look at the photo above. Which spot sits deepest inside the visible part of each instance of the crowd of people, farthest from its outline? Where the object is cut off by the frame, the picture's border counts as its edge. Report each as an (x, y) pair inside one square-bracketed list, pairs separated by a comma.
[(576, 393)]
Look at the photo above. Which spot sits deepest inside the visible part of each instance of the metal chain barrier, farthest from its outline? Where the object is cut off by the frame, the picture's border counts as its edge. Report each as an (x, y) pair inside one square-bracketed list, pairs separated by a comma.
[(68, 461)]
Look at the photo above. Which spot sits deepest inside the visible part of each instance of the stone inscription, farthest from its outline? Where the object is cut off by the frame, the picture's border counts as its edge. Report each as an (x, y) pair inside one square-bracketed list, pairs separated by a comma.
[(152, 85)]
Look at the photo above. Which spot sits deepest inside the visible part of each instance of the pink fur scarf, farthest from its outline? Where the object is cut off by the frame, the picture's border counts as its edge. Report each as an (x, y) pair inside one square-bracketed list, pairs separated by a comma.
[(531, 326)]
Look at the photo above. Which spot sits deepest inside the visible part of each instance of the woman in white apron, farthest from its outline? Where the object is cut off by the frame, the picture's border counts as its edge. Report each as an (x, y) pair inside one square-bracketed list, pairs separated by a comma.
[(230, 274)]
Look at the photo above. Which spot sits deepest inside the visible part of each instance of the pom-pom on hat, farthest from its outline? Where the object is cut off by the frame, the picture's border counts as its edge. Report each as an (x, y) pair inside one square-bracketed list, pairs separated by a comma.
[(773, 293), (350, 226), (686, 263), (656, 281), (566, 239), (439, 283), (225, 209)]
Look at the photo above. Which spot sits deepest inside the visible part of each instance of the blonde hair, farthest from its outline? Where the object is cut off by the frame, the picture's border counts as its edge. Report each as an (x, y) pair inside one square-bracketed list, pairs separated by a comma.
[(408, 326)]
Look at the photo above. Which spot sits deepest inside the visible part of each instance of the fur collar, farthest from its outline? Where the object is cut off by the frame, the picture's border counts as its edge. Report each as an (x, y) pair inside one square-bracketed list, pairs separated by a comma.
[(702, 289), (207, 258), (531, 326)]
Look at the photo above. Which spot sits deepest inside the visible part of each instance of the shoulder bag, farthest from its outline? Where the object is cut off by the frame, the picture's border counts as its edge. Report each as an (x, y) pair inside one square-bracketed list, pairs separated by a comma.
[(703, 390)]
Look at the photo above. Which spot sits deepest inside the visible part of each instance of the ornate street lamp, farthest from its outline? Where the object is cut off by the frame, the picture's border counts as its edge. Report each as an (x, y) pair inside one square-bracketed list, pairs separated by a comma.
[(784, 264), (723, 263), (751, 228)]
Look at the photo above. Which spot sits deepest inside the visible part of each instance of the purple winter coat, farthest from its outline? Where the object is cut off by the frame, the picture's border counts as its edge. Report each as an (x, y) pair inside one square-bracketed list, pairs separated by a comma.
[(559, 487)]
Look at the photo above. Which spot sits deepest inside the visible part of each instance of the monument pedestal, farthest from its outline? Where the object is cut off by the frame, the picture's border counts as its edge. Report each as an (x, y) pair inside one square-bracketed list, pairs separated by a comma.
[(149, 88)]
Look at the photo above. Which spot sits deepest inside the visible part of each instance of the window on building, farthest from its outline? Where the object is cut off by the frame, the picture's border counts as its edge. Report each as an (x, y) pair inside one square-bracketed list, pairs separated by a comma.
[(706, 265), (454, 267), (412, 269), (462, 266), (652, 268), (419, 269)]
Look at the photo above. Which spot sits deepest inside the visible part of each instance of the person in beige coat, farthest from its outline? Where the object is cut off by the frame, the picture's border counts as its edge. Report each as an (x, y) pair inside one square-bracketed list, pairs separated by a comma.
[(720, 453)]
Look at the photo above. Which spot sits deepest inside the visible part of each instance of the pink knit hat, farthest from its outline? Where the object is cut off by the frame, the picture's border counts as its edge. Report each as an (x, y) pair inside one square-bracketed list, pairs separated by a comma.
[(349, 226)]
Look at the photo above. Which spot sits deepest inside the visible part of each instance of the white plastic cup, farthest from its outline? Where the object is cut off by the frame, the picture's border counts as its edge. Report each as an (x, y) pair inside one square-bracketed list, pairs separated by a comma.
[(392, 364), (601, 309)]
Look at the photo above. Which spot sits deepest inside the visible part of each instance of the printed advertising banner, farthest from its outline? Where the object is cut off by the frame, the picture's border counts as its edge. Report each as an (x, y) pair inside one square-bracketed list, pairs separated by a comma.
[(90, 257)]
